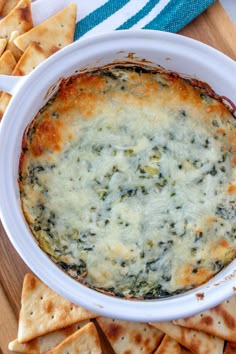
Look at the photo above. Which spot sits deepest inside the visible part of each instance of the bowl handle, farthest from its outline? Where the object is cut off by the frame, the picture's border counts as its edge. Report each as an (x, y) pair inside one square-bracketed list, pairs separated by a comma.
[(9, 83)]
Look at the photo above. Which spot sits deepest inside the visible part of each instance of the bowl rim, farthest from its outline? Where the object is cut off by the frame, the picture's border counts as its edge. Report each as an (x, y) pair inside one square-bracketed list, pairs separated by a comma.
[(208, 295)]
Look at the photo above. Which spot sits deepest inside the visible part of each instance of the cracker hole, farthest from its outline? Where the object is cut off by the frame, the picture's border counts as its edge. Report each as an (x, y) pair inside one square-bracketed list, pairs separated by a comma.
[(62, 25), (41, 297), (59, 44), (31, 313), (219, 322), (72, 308), (122, 338), (52, 316)]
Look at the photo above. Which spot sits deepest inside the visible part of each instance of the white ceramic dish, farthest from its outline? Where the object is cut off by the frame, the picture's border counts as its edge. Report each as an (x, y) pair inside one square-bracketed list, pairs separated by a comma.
[(171, 51)]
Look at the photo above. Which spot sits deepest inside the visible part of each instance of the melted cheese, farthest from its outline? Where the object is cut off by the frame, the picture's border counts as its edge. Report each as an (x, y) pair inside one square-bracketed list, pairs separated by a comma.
[(126, 182)]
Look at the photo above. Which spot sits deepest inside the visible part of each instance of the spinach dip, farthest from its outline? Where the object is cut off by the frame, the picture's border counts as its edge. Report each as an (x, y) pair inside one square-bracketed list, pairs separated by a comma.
[(128, 182)]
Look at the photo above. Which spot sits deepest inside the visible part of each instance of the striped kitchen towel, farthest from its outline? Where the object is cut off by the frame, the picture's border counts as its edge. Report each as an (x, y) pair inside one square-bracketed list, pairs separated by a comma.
[(164, 15), (97, 16)]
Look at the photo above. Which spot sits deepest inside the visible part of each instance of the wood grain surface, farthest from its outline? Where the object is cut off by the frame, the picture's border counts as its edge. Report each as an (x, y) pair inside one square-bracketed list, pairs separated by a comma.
[(214, 28)]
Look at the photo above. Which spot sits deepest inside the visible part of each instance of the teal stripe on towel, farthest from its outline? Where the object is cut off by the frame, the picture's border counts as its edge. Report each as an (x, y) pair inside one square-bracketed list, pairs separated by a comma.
[(139, 15), (177, 14), (97, 16)]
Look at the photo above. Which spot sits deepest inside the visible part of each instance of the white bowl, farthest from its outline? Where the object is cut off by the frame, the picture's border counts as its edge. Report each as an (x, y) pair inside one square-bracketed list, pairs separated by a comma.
[(171, 51)]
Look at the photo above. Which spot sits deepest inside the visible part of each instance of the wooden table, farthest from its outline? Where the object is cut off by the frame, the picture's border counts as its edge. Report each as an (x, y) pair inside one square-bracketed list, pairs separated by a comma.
[(214, 28)]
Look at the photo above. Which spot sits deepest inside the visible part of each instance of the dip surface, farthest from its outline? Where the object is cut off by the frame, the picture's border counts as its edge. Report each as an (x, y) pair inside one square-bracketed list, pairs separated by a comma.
[(128, 182)]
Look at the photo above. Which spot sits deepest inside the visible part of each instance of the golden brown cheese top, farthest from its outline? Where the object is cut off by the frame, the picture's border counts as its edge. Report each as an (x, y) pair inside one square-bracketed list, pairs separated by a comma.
[(128, 181)]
